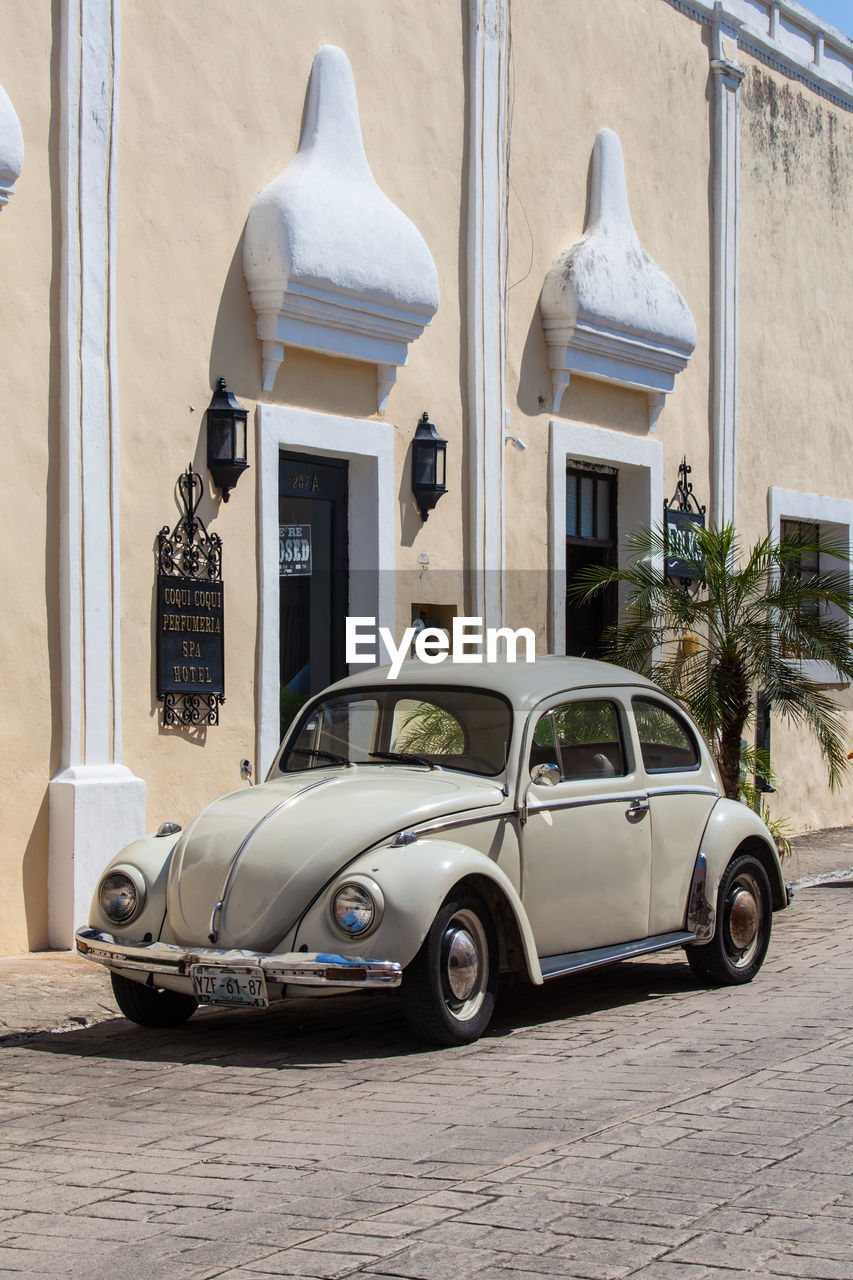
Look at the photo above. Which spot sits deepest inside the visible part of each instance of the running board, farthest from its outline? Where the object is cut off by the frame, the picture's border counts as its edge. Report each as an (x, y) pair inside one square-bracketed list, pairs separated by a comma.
[(575, 961)]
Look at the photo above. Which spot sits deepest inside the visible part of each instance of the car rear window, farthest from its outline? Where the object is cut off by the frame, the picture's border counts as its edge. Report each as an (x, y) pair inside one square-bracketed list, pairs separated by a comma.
[(666, 742)]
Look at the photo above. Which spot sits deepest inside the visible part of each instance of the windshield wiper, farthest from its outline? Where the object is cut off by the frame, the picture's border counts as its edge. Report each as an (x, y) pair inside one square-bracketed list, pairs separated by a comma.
[(404, 756), (319, 755)]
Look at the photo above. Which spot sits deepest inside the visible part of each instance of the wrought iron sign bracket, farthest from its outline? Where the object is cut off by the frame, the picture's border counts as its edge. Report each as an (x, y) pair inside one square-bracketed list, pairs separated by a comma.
[(680, 514), (190, 615)]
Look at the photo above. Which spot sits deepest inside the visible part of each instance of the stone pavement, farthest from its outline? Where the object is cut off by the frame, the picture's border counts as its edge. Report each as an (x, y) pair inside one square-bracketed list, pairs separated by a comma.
[(626, 1124)]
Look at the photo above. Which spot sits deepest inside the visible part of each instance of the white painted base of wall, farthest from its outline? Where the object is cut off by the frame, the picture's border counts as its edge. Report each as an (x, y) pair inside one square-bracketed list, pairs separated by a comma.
[(95, 810)]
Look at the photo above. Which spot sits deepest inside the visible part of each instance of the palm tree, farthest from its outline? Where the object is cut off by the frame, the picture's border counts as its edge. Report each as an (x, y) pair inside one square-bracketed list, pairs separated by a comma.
[(748, 627)]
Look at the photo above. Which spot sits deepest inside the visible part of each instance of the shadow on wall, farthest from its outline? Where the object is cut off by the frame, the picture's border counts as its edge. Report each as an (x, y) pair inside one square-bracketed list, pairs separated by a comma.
[(305, 378), (34, 868), (235, 352)]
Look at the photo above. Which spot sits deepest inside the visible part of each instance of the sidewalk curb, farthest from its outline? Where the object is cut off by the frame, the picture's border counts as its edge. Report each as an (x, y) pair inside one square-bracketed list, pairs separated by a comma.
[(827, 877), (75, 1024)]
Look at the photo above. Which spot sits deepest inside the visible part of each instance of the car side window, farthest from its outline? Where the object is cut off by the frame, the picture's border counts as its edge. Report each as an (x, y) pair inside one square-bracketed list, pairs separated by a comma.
[(665, 740), (583, 739)]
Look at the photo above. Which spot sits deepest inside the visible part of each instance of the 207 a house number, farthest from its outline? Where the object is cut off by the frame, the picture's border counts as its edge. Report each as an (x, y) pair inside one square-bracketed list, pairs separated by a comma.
[(299, 481)]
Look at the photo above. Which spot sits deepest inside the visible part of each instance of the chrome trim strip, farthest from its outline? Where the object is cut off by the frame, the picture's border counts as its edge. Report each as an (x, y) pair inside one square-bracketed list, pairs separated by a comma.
[(575, 962), (576, 802), (438, 824), (232, 867), (701, 913), (303, 968), (683, 791)]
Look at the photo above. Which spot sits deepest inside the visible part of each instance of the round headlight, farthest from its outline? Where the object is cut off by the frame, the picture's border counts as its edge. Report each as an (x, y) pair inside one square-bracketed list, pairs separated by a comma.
[(120, 897), (353, 909)]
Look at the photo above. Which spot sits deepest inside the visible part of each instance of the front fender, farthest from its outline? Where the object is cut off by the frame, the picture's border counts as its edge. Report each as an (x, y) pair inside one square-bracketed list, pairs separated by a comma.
[(733, 828), (150, 855), (414, 881)]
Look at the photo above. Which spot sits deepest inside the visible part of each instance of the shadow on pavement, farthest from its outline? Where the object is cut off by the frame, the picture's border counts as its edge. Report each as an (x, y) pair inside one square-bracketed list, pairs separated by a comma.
[(340, 1029)]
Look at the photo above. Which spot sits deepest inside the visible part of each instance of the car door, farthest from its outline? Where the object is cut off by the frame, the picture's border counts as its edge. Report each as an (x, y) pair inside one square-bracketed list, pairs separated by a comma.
[(586, 847), (682, 790)]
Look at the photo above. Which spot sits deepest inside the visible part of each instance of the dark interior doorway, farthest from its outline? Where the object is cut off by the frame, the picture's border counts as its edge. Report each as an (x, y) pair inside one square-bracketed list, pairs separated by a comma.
[(313, 576), (591, 539)]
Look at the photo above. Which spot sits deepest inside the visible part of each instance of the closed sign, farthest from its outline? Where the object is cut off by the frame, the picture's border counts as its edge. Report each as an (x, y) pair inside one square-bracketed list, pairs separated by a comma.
[(294, 550)]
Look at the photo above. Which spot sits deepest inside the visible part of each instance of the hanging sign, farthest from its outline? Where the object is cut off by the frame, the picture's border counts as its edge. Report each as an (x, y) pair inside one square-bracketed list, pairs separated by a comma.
[(190, 615), (294, 550), (681, 551), (190, 636)]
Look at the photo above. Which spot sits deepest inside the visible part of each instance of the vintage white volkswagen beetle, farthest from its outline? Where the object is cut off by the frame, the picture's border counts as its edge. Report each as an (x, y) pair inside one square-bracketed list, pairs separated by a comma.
[(434, 831)]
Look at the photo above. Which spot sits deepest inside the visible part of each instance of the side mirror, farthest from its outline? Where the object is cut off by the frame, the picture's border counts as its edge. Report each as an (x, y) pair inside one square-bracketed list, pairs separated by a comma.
[(545, 775), (542, 775), (246, 771)]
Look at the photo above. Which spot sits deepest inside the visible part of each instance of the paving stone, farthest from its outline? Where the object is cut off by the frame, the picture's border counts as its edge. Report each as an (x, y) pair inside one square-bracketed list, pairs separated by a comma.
[(307, 1264), (440, 1262), (626, 1124)]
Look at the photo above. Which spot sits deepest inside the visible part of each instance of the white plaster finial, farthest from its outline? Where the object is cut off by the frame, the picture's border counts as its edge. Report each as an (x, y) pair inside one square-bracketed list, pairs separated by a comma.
[(608, 310), (608, 196), (11, 148), (331, 263)]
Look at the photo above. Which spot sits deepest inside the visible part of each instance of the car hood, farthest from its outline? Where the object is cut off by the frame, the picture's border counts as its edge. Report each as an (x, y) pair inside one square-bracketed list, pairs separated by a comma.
[(265, 852)]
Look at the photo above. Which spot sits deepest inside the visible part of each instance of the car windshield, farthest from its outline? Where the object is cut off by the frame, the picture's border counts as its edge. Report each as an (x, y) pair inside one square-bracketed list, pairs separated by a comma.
[(451, 728)]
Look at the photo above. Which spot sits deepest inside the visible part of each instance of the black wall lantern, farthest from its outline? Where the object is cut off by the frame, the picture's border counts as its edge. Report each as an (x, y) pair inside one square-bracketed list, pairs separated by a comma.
[(429, 452), (226, 439)]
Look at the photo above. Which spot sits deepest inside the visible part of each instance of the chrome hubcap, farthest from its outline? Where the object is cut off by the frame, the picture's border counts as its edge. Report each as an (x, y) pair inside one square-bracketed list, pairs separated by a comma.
[(744, 914), (465, 964), (743, 920)]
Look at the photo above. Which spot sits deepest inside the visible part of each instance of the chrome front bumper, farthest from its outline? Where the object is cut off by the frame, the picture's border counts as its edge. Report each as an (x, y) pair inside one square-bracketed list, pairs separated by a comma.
[(310, 969)]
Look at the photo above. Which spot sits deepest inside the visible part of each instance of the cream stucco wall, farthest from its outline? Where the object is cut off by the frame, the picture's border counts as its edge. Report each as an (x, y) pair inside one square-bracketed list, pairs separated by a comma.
[(795, 377), (29, 669), (199, 139), (211, 97), (644, 74), (600, 77)]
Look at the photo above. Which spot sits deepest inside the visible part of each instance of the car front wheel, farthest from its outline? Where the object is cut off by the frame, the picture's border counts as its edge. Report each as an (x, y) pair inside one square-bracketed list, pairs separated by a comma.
[(448, 990), (151, 1006), (744, 914)]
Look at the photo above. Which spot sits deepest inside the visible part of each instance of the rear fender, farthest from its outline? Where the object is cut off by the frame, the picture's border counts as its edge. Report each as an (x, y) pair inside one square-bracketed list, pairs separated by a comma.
[(731, 829), (414, 881)]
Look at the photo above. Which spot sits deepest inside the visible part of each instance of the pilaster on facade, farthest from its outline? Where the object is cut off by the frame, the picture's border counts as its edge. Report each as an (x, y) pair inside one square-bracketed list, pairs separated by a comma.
[(489, 36), (96, 804), (727, 76), (788, 38)]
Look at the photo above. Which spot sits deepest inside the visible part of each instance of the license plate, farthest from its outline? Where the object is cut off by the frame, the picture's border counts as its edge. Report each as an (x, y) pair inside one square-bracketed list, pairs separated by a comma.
[(229, 986)]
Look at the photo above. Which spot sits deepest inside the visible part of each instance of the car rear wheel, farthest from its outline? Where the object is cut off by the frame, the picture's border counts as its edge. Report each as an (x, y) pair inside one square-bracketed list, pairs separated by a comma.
[(448, 990), (151, 1006), (744, 915)]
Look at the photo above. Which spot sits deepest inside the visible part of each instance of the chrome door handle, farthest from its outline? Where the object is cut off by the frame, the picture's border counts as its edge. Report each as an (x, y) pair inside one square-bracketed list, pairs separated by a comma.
[(638, 806)]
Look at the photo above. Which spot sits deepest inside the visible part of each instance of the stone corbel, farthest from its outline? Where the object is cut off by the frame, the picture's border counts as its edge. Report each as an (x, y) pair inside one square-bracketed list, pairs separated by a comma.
[(609, 312), (331, 264)]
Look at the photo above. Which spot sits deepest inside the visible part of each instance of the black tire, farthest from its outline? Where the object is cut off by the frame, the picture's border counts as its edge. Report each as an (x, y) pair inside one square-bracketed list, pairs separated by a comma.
[(448, 990), (744, 917), (151, 1006)]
